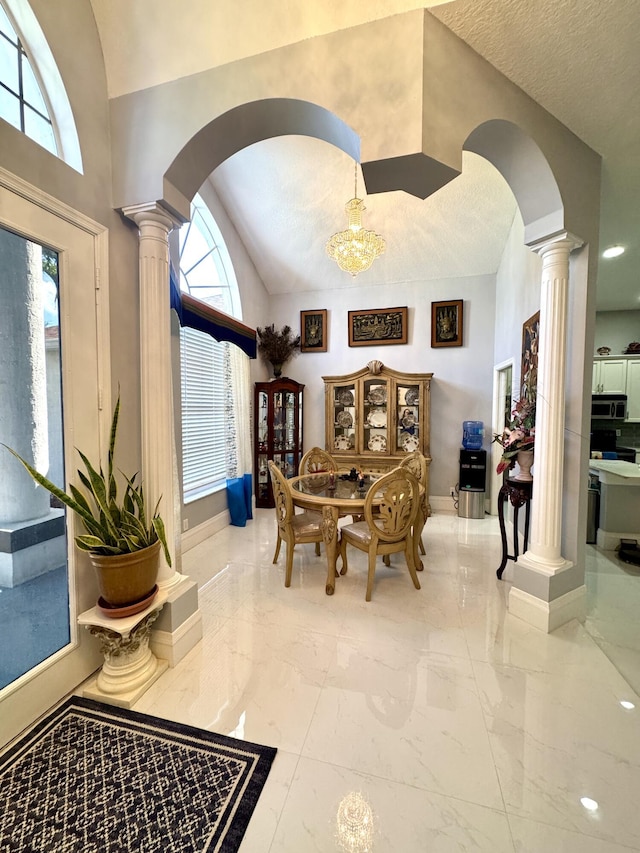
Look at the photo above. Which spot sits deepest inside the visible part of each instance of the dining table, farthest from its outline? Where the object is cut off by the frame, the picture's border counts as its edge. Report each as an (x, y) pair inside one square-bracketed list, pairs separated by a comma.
[(335, 497)]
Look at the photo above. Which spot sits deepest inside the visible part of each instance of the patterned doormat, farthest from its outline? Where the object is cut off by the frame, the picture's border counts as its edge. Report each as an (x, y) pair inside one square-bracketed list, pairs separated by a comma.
[(93, 778)]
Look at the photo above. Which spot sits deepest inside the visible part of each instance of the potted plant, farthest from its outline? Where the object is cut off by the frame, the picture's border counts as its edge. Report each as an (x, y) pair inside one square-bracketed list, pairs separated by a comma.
[(123, 539), (277, 346), (518, 439)]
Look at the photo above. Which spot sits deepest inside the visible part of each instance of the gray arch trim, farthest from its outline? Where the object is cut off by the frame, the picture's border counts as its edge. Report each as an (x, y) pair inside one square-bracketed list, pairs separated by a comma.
[(253, 122), (525, 168)]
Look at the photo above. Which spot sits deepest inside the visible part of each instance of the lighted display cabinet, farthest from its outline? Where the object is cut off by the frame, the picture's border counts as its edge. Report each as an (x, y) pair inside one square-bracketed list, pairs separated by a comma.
[(277, 433), (377, 415)]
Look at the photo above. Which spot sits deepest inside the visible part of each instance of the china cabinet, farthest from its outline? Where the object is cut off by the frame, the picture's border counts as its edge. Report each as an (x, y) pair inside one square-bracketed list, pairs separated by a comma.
[(277, 433), (377, 415)]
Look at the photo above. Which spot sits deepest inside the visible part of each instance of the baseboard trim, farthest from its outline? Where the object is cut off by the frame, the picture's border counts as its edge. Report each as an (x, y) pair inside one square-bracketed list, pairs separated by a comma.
[(609, 540), (172, 647), (442, 503), (546, 616), (203, 531)]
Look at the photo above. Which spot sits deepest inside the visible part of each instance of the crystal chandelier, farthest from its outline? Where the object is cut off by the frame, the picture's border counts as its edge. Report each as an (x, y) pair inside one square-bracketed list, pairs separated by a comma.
[(355, 249)]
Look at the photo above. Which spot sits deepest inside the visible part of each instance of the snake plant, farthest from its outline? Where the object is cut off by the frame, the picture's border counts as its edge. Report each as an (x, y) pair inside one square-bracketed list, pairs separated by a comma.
[(112, 526)]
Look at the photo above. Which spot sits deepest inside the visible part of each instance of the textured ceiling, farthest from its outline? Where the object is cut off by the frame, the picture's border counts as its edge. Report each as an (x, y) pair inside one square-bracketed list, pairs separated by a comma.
[(580, 60)]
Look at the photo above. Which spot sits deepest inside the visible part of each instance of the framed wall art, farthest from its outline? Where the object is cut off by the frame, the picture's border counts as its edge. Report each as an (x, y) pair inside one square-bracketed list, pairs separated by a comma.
[(377, 327), (529, 364), (446, 323), (313, 330)]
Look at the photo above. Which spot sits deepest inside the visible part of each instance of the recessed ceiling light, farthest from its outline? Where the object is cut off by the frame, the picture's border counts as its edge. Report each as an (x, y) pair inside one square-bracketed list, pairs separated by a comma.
[(613, 252), (589, 804), (628, 706)]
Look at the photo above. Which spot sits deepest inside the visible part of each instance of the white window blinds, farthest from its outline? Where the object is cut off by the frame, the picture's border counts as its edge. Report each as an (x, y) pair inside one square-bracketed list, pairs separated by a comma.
[(203, 413)]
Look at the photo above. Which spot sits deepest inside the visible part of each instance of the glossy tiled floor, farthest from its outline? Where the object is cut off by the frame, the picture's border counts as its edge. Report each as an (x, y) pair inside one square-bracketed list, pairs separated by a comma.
[(459, 726)]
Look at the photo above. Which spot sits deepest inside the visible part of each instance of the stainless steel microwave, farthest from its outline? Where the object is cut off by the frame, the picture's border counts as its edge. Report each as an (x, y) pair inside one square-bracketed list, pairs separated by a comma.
[(609, 407)]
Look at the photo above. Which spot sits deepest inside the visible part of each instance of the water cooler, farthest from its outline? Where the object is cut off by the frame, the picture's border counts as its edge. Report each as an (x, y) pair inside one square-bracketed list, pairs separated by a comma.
[(473, 471)]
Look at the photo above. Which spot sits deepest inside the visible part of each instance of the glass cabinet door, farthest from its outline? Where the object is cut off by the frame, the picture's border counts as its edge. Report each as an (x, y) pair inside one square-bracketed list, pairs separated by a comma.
[(376, 415), (344, 418), (262, 439), (407, 431)]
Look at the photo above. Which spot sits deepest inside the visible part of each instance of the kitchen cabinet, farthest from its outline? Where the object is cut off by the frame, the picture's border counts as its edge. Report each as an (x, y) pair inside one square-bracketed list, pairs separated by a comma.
[(277, 433), (609, 376), (633, 389), (377, 415)]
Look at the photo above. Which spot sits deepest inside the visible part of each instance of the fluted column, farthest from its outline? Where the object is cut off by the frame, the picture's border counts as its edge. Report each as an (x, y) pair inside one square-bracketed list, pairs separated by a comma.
[(546, 521), (155, 224), (538, 593)]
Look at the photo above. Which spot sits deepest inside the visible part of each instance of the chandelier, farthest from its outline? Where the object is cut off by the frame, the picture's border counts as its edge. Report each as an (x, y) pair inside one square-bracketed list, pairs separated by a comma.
[(355, 249)]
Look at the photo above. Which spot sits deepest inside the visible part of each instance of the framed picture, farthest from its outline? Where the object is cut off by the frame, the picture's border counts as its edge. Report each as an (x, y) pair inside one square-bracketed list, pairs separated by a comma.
[(529, 364), (381, 326), (313, 330), (446, 323)]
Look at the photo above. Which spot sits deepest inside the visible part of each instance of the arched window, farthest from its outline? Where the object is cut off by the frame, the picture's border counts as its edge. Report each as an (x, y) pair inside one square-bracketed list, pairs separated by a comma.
[(32, 95), (207, 370)]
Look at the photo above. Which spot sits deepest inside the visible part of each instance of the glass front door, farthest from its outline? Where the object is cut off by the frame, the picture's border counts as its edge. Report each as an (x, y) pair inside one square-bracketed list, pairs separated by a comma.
[(54, 396)]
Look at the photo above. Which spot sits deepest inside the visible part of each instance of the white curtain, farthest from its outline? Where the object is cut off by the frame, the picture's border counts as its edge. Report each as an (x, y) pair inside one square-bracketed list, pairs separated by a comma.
[(238, 405)]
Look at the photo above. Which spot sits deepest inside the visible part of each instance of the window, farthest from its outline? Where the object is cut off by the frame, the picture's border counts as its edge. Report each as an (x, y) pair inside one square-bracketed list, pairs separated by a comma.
[(21, 101), (32, 95), (206, 376)]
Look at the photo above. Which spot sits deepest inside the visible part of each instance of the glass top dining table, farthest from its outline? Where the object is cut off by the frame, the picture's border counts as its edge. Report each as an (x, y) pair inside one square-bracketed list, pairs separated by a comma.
[(333, 497)]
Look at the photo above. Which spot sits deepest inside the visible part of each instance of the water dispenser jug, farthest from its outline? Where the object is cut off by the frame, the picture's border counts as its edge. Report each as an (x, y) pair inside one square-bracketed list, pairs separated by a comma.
[(472, 434)]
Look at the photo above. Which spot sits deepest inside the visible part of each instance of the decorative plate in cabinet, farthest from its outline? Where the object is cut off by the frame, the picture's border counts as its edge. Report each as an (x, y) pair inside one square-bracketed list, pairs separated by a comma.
[(409, 443), (411, 397), (345, 398), (344, 419), (377, 418), (342, 442), (377, 396), (377, 443)]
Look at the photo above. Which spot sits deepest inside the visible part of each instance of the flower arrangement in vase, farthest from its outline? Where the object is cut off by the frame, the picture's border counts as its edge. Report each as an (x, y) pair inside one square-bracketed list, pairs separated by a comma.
[(277, 346), (519, 434)]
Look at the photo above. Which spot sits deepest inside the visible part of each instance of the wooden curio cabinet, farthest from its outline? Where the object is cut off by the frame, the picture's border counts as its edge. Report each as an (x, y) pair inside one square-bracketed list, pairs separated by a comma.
[(377, 415), (277, 433)]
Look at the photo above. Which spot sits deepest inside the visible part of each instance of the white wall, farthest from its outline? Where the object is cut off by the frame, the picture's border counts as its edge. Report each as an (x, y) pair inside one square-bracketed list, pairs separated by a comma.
[(616, 329), (462, 383), (517, 297)]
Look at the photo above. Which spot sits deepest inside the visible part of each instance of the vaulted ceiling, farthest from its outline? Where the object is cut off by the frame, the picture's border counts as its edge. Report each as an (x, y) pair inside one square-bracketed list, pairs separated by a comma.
[(579, 60)]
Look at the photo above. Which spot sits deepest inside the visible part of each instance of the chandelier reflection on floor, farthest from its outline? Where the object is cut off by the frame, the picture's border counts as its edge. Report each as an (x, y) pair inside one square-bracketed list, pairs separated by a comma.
[(355, 824), (355, 249)]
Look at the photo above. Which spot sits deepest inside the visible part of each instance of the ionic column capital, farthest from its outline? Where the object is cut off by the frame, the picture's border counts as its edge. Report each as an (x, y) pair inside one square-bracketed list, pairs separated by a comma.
[(562, 244), (152, 214)]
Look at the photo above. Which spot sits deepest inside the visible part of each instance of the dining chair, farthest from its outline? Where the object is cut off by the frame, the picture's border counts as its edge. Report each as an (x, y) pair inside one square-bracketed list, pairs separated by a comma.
[(387, 529), (417, 464), (294, 529), (317, 460)]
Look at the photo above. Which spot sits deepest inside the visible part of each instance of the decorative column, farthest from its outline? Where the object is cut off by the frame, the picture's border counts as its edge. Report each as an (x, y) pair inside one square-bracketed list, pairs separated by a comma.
[(543, 593), (156, 386)]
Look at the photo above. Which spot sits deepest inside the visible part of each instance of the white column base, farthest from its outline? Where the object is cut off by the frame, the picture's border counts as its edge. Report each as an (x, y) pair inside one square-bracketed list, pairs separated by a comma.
[(124, 698), (546, 616)]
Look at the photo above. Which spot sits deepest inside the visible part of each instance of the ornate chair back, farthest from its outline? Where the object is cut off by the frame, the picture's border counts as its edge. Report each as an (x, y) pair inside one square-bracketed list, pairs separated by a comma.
[(317, 460), (393, 516), (281, 495)]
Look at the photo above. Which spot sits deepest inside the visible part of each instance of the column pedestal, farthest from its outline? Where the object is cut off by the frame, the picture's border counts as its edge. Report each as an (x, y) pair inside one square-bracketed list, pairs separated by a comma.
[(130, 667)]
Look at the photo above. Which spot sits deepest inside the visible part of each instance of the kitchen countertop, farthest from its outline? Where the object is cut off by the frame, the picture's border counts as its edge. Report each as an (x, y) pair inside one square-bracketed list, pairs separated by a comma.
[(614, 472)]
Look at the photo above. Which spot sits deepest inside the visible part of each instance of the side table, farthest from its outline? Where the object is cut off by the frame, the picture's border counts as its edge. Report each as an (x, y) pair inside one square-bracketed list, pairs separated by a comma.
[(518, 493), (130, 667)]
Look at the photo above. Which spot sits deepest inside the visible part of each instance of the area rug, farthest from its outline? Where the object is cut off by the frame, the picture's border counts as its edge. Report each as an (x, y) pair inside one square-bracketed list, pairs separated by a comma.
[(93, 778)]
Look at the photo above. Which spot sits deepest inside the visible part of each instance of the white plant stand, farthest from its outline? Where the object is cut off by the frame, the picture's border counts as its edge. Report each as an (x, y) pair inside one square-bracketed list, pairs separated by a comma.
[(129, 667)]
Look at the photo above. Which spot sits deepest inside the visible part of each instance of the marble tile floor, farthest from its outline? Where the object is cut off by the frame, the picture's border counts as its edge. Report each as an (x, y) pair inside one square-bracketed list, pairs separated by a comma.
[(426, 720)]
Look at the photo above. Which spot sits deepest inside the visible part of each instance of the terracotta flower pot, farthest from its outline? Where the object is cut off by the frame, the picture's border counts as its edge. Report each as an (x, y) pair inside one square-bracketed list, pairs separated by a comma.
[(127, 578)]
